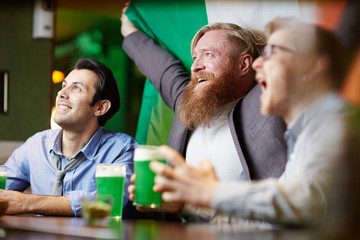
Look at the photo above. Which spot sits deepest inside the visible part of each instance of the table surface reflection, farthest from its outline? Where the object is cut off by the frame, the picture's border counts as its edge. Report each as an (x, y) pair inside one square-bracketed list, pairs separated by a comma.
[(44, 227)]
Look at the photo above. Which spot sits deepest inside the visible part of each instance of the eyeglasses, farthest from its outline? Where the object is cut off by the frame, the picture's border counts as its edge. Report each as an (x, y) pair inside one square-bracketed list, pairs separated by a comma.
[(269, 50)]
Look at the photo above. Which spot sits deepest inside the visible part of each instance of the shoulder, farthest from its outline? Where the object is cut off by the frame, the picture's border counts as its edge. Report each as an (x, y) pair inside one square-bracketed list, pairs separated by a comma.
[(247, 112), (40, 141), (44, 136), (120, 140)]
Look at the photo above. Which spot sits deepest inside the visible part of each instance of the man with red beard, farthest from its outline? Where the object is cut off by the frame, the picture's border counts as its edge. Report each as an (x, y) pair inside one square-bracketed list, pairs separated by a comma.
[(301, 72), (217, 108)]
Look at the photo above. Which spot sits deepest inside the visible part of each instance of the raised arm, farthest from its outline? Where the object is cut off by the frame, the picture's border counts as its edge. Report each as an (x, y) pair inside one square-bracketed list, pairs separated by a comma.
[(163, 69)]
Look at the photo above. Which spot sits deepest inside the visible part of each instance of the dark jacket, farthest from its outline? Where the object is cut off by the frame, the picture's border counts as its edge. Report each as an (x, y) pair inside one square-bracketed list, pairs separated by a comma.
[(258, 139)]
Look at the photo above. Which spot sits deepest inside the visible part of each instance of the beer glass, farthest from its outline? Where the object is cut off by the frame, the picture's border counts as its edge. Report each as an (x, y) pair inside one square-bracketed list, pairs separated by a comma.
[(3, 176), (144, 182), (110, 181)]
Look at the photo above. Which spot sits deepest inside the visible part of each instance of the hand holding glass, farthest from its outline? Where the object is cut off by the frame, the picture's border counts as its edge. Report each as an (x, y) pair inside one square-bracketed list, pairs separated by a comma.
[(145, 197)]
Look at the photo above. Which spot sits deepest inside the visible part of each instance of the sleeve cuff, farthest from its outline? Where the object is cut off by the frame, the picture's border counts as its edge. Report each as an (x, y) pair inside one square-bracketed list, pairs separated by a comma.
[(76, 198)]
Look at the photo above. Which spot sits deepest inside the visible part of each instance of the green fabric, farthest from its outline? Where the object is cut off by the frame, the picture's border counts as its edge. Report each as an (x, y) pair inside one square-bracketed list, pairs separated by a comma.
[(172, 24)]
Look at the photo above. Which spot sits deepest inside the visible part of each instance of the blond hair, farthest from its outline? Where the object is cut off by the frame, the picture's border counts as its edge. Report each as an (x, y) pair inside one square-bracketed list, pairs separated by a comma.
[(243, 41), (324, 43)]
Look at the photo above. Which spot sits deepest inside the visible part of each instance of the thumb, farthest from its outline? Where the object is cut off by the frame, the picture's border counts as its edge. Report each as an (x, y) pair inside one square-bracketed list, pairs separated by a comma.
[(206, 165)]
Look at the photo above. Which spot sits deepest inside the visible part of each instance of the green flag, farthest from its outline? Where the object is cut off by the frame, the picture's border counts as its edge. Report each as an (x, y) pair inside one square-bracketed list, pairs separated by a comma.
[(172, 24)]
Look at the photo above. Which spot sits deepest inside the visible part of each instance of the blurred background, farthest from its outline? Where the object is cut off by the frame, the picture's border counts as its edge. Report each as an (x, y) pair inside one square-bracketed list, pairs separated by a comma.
[(42, 39), (81, 28)]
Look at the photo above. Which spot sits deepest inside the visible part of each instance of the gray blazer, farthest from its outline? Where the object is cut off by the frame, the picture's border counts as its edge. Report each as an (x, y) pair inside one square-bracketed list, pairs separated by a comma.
[(258, 139)]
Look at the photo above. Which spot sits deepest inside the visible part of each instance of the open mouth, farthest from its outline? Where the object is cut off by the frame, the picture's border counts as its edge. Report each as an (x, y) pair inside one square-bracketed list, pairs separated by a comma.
[(263, 84), (201, 80)]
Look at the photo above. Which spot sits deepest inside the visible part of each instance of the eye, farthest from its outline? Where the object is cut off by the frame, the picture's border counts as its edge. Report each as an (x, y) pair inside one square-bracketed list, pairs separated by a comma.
[(76, 88), (207, 54)]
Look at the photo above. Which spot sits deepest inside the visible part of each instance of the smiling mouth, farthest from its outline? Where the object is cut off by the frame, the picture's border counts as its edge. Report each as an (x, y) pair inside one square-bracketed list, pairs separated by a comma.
[(64, 107), (201, 80)]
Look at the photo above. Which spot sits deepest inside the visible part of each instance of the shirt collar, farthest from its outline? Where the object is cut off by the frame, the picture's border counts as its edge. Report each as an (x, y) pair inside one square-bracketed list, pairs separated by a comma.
[(299, 123), (57, 143), (89, 150)]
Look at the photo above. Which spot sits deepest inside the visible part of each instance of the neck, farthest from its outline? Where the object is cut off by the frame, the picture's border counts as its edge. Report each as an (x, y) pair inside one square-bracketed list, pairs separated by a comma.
[(301, 103), (74, 141)]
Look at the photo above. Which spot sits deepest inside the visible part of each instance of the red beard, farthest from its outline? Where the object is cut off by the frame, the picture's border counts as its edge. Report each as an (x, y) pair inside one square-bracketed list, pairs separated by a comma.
[(198, 109)]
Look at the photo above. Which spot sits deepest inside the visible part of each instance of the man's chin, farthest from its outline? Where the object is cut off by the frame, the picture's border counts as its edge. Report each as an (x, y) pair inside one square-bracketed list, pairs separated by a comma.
[(200, 87)]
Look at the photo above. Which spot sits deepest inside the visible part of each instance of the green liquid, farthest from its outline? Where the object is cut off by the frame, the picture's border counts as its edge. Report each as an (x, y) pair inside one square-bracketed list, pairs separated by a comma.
[(113, 187), (2, 182), (144, 183)]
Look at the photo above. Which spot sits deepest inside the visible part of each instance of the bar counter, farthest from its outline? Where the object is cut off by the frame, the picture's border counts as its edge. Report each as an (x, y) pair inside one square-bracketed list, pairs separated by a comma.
[(44, 227)]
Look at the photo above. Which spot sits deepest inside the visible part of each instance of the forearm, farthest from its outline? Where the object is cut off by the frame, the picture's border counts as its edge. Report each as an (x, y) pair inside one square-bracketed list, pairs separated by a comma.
[(293, 202), (163, 69), (45, 205)]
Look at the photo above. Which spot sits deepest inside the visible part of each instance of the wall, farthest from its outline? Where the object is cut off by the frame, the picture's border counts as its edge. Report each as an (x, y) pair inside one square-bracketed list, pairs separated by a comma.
[(28, 62)]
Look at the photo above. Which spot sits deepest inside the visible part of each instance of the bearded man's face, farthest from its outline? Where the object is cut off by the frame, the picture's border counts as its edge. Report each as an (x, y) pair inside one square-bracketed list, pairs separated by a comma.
[(212, 80)]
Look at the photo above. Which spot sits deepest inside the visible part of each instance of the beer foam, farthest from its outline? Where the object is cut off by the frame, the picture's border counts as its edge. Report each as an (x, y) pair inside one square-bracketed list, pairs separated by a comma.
[(110, 170), (146, 153)]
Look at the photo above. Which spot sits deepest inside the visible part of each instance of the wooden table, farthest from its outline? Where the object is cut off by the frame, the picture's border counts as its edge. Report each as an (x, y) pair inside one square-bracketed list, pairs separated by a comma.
[(40, 227)]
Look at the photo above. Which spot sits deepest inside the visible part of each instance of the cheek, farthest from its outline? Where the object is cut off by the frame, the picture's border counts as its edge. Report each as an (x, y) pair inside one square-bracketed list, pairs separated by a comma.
[(276, 75), (215, 67)]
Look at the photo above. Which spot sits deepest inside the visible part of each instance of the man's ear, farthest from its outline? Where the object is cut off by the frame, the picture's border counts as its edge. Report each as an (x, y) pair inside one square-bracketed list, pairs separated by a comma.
[(315, 67), (245, 62), (102, 107)]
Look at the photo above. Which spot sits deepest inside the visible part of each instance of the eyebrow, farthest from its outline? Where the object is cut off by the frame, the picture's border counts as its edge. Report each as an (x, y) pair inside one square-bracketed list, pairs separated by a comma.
[(73, 83), (206, 50)]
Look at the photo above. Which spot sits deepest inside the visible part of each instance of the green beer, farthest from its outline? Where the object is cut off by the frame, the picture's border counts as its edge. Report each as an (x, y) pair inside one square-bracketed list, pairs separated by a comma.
[(110, 181), (3, 176), (144, 181)]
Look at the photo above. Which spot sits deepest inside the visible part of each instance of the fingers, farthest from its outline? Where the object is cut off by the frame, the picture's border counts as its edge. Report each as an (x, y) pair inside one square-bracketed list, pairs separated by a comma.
[(131, 190), (175, 158), (171, 189), (125, 7), (207, 167), (163, 184), (161, 169), (172, 197), (132, 178)]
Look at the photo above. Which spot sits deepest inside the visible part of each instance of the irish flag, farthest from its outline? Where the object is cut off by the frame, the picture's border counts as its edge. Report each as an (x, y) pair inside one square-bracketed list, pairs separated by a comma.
[(173, 23)]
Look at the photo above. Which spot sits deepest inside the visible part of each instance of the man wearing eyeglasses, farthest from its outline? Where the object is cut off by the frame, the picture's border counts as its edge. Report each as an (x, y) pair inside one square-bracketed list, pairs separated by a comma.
[(300, 71)]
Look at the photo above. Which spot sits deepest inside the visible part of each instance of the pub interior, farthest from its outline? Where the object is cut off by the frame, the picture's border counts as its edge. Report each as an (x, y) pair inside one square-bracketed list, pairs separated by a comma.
[(31, 58)]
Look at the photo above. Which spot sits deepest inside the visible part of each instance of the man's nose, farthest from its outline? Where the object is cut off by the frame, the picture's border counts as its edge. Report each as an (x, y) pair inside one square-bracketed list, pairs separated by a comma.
[(197, 65), (258, 63), (63, 93)]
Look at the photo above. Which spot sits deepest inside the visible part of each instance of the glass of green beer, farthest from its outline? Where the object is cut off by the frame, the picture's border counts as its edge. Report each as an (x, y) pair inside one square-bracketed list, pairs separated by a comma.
[(145, 196), (110, 181), (3, 176)]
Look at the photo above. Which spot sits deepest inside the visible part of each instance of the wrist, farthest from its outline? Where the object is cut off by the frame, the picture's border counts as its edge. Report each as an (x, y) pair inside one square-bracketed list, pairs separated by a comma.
[(127, 32), (207, 195)]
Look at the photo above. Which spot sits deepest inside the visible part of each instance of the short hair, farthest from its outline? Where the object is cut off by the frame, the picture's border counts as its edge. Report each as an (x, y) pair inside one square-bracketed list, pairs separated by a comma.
[(244, 41), (324, 43), (106, 87)]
